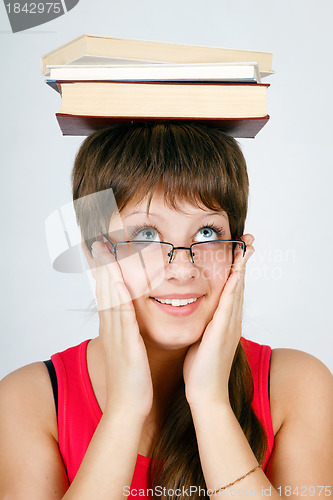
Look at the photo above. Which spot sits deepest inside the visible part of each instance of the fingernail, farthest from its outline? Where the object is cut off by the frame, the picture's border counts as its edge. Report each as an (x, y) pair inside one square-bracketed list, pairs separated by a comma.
[(93, 251)]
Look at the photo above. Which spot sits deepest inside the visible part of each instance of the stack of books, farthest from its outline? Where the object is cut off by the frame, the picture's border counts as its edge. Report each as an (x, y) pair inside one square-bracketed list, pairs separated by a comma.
[(104, 80)]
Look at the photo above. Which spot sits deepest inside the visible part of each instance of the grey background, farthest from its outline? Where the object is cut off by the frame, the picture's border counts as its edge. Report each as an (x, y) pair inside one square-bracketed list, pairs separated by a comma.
[(288, 288)]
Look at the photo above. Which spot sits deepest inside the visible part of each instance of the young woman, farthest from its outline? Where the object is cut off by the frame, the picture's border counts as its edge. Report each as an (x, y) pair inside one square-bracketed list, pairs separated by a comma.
[(169, 400)]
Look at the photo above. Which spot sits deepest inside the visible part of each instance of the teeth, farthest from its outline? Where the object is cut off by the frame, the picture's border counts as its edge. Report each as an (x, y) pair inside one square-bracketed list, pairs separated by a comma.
[(176, 302)]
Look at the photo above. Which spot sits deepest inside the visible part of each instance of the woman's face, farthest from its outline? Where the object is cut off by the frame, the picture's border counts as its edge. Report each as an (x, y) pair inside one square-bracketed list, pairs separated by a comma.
[(150, 279)]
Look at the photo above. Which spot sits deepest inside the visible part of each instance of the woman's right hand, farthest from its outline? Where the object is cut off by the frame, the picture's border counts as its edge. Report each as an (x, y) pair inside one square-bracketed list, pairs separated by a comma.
[(128, 376)]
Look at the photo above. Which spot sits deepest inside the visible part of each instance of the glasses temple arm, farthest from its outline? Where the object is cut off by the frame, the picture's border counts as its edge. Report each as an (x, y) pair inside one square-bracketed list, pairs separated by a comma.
[(107, 242)]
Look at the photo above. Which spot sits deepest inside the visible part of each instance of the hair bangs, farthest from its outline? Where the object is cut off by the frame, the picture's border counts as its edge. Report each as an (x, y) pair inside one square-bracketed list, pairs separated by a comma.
[(191, 163)]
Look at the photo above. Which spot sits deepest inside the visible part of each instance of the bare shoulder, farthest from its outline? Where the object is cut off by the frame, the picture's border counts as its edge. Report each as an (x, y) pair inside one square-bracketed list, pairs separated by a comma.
[(297, 379), (29, 453), (294, 360), (29, 390), (301, 389)]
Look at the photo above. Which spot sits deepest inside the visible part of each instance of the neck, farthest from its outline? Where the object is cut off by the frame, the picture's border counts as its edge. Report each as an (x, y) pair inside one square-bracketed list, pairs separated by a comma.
[(166, 368)]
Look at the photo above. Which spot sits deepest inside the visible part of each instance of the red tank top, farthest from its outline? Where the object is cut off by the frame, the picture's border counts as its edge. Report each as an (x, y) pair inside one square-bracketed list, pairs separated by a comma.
[(79, 412)]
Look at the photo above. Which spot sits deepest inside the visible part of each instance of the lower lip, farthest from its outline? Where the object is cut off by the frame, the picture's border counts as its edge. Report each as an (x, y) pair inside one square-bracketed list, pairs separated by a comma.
[(180, 310)]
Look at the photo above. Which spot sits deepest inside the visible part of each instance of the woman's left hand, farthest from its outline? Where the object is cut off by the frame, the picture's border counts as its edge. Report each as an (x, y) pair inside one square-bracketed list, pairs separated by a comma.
[(208, 362)]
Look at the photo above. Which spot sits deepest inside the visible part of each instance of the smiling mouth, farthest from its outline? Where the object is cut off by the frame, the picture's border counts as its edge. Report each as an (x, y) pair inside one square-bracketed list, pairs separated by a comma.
[(176, 302)]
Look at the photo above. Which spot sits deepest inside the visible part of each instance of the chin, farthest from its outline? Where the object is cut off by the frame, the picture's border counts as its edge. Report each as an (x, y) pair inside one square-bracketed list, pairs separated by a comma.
[(172, 337)]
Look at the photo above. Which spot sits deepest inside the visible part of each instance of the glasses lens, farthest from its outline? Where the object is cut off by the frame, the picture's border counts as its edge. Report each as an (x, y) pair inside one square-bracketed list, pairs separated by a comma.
[(154, 253), (214, 253)]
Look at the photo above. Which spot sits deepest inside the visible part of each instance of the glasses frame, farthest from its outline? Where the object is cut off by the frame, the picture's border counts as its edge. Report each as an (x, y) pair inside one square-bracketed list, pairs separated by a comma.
[(189, 250)]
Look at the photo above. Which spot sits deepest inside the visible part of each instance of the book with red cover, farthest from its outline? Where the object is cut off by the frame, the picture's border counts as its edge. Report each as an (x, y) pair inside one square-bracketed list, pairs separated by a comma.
[(86, 125)]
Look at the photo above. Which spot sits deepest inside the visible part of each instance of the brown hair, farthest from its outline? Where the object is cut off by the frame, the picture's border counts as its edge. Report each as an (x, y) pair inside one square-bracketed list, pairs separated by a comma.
[(200, 165), (196, 164)]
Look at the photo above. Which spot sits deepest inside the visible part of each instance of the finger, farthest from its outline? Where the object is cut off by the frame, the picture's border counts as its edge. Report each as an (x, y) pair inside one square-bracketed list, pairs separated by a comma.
[(108, 272), (239, 265), (128, 316), (219, 329), (114, 312), (248, 240), (229, 310), (119, 324), (226, 304), (227, 317), (106, 276), (240, 260), (99, 250), (106, 292), (104, 258), (236, 317)]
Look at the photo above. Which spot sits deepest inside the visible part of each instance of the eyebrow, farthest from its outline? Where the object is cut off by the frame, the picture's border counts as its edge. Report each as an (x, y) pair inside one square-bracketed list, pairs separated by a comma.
[(208, 214)]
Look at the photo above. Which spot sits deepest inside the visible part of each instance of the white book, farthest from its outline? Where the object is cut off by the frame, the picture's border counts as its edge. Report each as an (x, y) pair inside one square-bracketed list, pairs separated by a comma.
[(100, 50), (233, 72)]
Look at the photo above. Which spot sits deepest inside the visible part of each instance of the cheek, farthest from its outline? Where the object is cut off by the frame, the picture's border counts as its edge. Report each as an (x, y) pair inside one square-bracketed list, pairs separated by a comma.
[(215, 276), (140, 279), (216, 280)]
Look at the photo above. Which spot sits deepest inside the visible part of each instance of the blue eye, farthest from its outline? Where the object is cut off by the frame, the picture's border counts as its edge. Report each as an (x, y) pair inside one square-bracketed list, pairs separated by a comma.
[(206, 233), (147, 233), (210, 233)]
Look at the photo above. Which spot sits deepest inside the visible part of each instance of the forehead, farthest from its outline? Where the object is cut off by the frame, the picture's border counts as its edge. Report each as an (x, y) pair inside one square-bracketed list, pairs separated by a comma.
[(161, 213), (159, 206)]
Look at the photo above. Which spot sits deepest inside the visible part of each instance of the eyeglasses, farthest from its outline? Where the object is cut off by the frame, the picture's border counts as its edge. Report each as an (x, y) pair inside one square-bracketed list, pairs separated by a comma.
[(215, 253)]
